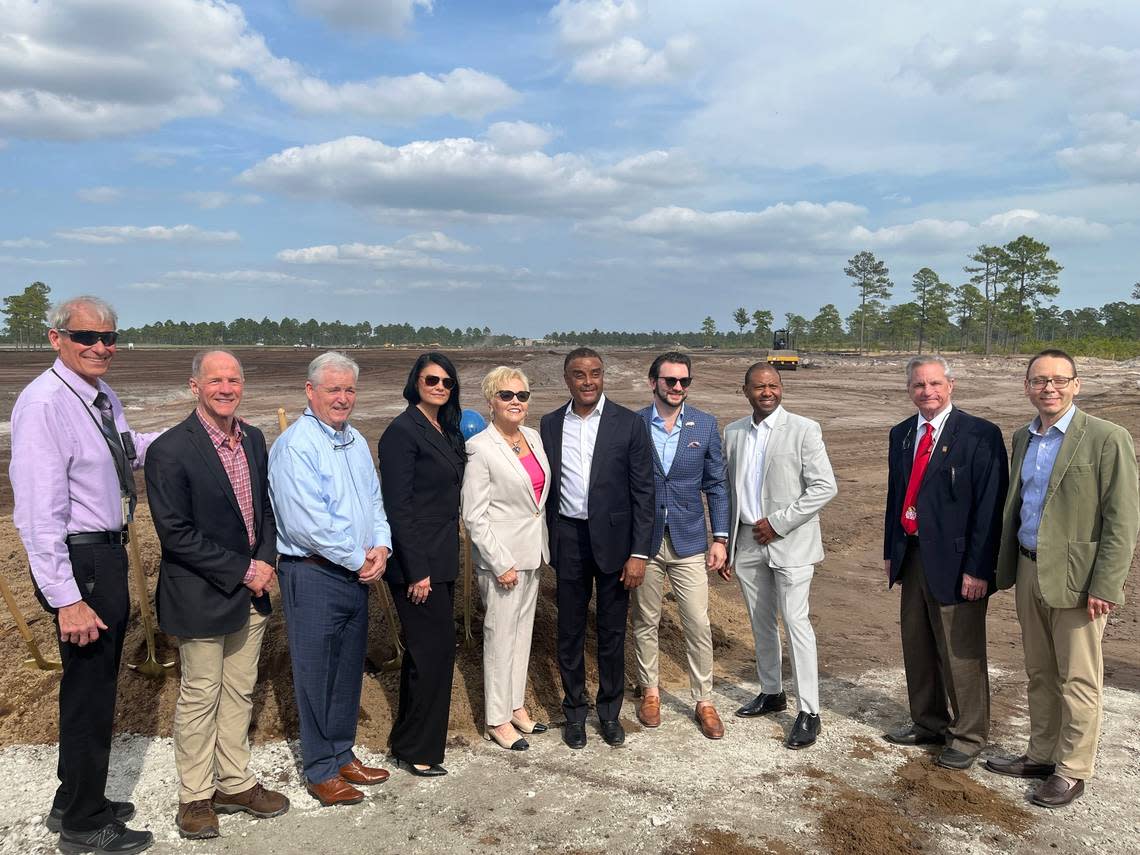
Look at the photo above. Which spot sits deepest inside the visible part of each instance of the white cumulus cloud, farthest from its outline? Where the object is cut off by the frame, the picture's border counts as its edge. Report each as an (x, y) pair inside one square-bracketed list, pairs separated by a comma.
[(1108, 148), (628, 62), (586, 23), (434, 241), (518, 136)]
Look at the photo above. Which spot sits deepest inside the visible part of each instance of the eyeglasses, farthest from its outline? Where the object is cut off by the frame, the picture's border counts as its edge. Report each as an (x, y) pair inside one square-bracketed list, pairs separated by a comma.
[(432, 380), (87, 338), (507, 395), (1040, 383), (673, 381)]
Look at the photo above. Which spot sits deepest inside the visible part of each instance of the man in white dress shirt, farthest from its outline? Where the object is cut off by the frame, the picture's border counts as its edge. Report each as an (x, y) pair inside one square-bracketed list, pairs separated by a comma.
[(779, 478)]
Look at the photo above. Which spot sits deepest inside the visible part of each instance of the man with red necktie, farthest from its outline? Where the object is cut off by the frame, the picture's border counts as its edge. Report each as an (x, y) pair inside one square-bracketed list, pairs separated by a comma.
[(947, 478)]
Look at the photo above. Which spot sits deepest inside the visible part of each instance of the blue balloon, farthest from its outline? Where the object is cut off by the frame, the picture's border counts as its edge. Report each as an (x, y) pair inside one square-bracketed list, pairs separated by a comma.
[(471, 422)]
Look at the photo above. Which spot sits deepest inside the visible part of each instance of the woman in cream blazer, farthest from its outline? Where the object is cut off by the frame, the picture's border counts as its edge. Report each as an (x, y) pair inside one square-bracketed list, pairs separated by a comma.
[(505, 485)]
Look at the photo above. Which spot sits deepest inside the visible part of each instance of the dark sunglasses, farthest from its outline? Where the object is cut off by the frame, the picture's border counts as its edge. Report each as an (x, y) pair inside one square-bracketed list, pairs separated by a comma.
[(432, 380), (507, 395), (87, 338), (673, 381)]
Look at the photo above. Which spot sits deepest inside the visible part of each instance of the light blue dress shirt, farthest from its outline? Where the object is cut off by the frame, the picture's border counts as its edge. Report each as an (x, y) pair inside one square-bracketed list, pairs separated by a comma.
[(666, 442), (326, 494), (1035, 471)]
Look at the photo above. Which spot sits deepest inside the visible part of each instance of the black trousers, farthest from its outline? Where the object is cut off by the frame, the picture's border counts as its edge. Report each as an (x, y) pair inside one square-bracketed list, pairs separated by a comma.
[(419, 732), (578, 574), (89, 686)]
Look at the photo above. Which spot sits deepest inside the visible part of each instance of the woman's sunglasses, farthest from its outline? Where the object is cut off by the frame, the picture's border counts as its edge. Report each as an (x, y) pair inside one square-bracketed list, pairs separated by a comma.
[(87, 338), (432, 380), (507, 395)]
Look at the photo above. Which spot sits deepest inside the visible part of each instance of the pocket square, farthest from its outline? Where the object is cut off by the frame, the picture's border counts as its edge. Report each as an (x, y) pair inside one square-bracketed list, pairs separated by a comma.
[(694, 444)]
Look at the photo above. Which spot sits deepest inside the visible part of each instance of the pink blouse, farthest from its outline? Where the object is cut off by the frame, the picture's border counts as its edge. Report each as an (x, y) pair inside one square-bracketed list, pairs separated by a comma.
[(537, 476)]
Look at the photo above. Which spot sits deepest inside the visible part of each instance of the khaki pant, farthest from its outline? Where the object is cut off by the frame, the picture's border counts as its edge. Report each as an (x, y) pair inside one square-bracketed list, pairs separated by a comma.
[(211, 718), (507, 627), (944, 655), (772, 594), (1066, 678), (690, 582)]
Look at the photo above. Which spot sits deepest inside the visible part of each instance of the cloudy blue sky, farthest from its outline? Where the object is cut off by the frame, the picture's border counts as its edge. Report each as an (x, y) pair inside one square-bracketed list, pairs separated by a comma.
[(536, 166)]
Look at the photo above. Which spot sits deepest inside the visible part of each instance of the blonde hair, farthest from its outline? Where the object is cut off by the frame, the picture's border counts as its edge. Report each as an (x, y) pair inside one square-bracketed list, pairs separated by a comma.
[(497, 378)]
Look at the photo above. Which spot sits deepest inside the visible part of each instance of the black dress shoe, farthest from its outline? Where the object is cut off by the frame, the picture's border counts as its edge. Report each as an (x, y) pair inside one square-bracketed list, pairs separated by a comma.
[(763, 704), (612, 731), (574, 734), (1020, 767), (123, 812), (913, 736), (432, 771), (114, 838), (804, 731), (952, 758)]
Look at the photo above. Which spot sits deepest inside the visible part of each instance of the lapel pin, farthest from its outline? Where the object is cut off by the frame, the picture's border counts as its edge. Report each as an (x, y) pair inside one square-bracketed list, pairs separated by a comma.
[(689, 424), (694, 444), (945, 448)]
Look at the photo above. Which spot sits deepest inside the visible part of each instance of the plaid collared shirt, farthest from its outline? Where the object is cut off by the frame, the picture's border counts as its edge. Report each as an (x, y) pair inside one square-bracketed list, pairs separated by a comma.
[(232, 455)]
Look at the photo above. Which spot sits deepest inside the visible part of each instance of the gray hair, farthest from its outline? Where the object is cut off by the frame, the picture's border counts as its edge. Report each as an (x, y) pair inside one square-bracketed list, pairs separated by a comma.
[(60, 316), (332, 361), (200, 357), (928, 359)]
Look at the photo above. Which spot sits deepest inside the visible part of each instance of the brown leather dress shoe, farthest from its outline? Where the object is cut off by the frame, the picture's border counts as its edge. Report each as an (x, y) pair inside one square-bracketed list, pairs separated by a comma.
[(649, 713), (1055, 792), (257, 800), (357, 773), (1020, 767), (711, 725), (196, 820), (335, 791)]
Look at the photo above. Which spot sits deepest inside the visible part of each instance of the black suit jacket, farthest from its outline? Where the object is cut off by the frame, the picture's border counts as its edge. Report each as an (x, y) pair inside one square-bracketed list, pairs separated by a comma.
[(621, 492), (205, 545), (959, 502), (420, 479)]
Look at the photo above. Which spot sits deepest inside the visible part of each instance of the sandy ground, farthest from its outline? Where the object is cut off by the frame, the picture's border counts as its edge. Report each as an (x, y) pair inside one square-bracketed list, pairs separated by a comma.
[(669, 790)]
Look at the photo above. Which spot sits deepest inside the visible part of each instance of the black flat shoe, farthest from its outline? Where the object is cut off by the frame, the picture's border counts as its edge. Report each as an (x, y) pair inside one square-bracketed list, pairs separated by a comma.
[(123, 812), (804, 731), (432, 771), (612, 731), (763, 704), (913, 736), (114, 838), (574, 734), (952, 758)]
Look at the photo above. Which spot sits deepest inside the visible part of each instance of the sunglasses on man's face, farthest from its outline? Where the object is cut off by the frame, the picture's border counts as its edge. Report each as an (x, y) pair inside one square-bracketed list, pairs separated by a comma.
[(87, 338), (507, 395), (432, 380), (673, 381)]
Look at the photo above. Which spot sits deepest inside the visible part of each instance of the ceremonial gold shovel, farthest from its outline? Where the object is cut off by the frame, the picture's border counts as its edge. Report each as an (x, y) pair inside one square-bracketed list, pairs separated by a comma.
[(397, 661), (150, 666), (37, 658)]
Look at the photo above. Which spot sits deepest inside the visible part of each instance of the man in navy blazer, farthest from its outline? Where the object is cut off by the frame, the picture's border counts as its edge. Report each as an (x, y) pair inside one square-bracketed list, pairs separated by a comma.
[(941, 534), (687, 461), (600, 521), (209, 497)]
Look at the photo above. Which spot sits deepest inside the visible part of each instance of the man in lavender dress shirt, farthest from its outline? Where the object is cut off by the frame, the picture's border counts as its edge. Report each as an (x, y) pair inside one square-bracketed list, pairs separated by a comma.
[(72, 455)]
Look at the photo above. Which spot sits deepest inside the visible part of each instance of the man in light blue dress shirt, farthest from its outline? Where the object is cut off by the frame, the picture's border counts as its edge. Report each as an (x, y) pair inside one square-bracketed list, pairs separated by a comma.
[(334, 541)]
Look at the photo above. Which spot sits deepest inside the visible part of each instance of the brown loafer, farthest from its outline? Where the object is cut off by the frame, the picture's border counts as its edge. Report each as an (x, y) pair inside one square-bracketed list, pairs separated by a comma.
[(1020, 767), (357, 773), (257, 800), (196, 820), (649, 713), (1055, 792), (335, 791), (711, 725)]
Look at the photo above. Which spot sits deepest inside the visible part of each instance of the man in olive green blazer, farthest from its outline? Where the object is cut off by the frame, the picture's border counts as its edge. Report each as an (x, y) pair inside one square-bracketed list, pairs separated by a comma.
[(1069, 531)]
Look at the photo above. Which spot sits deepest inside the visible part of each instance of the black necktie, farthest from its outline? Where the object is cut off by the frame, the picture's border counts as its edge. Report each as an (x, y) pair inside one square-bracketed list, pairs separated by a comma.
[(115, 443)]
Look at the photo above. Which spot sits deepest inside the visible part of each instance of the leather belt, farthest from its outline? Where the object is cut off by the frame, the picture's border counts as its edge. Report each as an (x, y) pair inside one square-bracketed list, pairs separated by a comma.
[(1031, 554), (94, 538), (319, 560)]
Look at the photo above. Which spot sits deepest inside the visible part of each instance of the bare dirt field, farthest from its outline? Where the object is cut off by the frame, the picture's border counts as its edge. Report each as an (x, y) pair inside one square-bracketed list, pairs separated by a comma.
[(664, 791)]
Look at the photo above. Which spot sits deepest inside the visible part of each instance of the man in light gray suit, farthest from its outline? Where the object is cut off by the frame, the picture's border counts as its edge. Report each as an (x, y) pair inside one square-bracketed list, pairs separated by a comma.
[(779, 477)]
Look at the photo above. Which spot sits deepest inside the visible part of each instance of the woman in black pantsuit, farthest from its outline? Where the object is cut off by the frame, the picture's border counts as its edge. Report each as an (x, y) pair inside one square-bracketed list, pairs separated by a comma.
[(422, 457)]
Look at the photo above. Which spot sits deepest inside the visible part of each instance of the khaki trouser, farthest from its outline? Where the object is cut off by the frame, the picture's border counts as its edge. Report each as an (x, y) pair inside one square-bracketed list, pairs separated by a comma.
[(211, 718), (1066, 678), (690, 582)]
